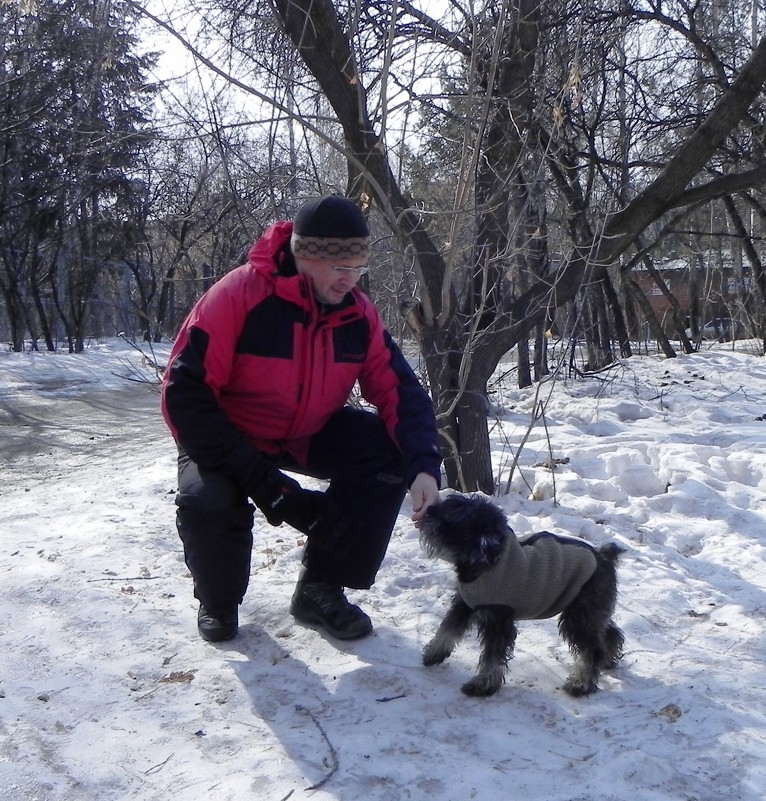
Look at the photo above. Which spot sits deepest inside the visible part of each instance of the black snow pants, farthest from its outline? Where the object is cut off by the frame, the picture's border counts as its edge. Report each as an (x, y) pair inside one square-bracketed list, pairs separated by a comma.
[(364, 469)]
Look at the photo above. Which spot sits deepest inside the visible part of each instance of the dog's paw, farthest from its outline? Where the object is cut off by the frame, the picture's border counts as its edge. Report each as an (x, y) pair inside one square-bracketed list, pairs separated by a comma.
[(610, 663), (577, 687), (481, 686), (434, 655)]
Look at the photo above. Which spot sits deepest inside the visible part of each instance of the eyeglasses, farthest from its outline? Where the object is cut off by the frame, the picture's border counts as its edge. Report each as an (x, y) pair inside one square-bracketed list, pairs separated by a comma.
[(355, 271)]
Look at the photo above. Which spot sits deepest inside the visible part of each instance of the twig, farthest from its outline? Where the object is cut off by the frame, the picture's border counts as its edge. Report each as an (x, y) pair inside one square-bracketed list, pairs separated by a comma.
[(126, 578), (388, 698), (176, 677), (550, 451), (147, 694), (159, 765), (333, 753), (537, 414), (288, 795)]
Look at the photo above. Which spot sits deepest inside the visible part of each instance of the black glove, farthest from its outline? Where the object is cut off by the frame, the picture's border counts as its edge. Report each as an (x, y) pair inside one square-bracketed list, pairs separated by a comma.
[(283, 500)]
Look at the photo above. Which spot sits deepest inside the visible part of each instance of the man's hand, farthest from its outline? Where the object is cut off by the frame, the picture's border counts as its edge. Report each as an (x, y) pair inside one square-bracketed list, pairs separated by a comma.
[(283, 500), (272, 495), (424, 492)]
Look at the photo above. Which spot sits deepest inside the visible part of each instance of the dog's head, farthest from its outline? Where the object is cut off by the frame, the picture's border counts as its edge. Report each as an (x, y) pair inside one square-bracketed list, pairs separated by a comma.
[(465, 530)]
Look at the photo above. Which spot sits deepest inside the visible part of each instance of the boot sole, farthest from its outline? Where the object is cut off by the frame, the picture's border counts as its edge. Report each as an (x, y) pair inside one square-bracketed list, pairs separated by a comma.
[(221, 635)]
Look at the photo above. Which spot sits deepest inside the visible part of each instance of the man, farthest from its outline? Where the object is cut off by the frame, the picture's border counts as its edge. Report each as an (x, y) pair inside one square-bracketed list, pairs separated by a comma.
[(257, 382)]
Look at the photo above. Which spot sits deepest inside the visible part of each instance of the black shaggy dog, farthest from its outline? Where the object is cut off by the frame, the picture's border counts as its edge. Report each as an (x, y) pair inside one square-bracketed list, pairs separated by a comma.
[(502, 579)]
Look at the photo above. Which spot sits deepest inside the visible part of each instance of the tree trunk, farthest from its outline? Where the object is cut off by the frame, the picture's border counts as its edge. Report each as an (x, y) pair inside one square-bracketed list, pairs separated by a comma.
[(642, 302)]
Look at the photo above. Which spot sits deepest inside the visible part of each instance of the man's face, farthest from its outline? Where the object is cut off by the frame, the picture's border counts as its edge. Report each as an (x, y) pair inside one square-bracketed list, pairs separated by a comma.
[(332, 280)]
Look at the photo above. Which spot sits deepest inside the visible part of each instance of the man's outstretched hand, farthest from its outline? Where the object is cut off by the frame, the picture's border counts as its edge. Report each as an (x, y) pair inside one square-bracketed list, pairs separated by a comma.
[(424, 492)]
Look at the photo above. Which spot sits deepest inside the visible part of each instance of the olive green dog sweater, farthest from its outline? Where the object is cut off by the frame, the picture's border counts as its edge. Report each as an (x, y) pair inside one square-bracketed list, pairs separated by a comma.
[(538, 576)]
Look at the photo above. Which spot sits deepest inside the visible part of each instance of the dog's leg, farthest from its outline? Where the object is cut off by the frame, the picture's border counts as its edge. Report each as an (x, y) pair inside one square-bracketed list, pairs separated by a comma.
[(584, 640), (614, 640), (587, 626), (594, 650), (451, 630), (497, 630)]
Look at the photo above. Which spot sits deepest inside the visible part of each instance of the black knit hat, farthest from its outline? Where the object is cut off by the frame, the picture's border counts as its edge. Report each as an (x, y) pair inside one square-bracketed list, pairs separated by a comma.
[(331, 227)]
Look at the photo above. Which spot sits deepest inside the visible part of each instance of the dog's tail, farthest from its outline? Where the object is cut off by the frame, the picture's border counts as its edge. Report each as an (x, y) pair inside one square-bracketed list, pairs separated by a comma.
[(611, 551)]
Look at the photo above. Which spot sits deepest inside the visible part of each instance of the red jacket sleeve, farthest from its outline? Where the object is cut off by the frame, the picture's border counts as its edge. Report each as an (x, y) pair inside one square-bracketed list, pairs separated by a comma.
[(391, 385), (199, 365)]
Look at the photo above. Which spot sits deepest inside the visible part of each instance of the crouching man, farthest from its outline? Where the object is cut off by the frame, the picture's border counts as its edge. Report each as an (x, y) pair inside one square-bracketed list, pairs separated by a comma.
[(258, 382)]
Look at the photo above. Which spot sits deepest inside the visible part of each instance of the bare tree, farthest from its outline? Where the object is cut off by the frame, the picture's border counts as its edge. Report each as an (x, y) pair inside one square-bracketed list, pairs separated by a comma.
[(485, 269)]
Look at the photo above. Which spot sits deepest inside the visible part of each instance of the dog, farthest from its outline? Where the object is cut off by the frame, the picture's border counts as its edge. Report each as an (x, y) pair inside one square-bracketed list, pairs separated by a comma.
[(502, 579)]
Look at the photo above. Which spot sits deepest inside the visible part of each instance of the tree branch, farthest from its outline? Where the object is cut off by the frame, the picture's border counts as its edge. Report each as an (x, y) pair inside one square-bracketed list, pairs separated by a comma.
[(666, 192)]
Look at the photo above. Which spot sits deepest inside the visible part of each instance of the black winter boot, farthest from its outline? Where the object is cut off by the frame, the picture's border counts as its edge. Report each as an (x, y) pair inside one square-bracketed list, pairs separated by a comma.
[(326, 605), (217, 627)]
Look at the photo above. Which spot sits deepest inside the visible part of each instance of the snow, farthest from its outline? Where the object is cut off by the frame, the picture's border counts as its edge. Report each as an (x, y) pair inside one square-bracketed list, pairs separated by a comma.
[(107, 692)]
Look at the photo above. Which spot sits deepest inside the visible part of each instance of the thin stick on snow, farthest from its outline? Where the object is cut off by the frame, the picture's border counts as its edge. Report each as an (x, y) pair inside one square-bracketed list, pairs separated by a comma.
[(333, 753)]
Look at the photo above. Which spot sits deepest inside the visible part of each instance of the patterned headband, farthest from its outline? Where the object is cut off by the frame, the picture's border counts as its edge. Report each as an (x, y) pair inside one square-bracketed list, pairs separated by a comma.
[(330, 247)]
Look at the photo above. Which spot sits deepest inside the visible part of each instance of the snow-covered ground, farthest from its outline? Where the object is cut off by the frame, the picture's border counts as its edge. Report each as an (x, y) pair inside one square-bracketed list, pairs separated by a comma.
[(107, 692)]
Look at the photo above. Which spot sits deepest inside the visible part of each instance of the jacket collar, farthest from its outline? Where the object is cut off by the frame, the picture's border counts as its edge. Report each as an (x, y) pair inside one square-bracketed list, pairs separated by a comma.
[(272, 258)]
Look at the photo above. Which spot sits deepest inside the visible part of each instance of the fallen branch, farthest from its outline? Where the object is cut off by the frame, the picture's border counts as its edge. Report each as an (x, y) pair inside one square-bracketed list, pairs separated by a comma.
[(333, 753), (159, 765)]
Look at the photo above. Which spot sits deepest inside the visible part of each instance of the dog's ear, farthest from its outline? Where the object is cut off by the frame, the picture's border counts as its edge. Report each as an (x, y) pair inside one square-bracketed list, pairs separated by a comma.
[(429, 527), (431, 519), (475, 528)]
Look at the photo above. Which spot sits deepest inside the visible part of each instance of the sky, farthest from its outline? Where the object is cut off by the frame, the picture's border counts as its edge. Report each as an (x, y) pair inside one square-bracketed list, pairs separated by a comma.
[(107, 692)]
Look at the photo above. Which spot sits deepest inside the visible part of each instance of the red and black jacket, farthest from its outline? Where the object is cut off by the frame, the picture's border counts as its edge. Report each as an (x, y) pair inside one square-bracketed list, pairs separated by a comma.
[(259, 366)]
